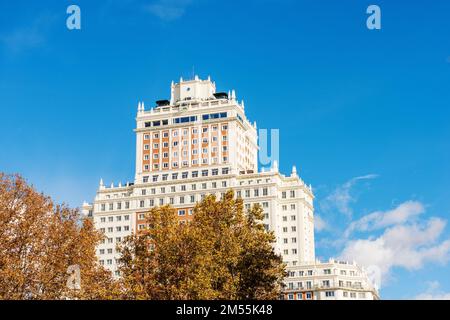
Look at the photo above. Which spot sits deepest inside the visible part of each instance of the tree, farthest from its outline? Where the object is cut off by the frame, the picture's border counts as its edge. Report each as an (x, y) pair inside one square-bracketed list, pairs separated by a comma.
[(39, 241), (223, 253)]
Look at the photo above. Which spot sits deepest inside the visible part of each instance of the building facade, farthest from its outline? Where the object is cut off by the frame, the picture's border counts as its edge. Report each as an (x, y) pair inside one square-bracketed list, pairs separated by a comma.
[(332, 280), (197, 143)]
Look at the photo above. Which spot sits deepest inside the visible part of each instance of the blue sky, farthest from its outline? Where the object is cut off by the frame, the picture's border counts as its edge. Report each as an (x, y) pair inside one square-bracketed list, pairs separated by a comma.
[(363, 114)]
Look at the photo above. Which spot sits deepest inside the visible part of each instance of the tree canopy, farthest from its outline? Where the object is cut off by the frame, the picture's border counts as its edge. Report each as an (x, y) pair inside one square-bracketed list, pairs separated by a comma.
[(39, 241), (222, 253)]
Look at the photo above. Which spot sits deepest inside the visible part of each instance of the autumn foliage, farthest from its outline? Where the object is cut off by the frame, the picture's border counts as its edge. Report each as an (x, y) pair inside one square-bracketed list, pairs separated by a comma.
[(224, 253), (39, 241)]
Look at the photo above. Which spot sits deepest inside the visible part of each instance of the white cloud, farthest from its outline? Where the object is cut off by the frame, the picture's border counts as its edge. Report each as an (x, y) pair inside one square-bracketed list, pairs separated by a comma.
[(319, 224), (168, 10), (379, 219), (342, 198), (29, 36), (408, 246), (433, 292)]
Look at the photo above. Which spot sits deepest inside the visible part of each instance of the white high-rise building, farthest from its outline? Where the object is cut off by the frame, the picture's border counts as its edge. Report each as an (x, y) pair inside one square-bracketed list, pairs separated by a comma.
[(197, 143)]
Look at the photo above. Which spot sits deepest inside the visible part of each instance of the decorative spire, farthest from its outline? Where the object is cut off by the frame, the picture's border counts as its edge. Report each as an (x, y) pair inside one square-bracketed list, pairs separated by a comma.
[(101, 182), (233, 94), (243, 104), (142, 106), (275, 166), (294, 171)]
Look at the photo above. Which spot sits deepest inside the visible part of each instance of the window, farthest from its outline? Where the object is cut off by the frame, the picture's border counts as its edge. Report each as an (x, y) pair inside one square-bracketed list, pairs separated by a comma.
[(182, 212), (102, 219), (292, 193), (329, 293), (141, 203)]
